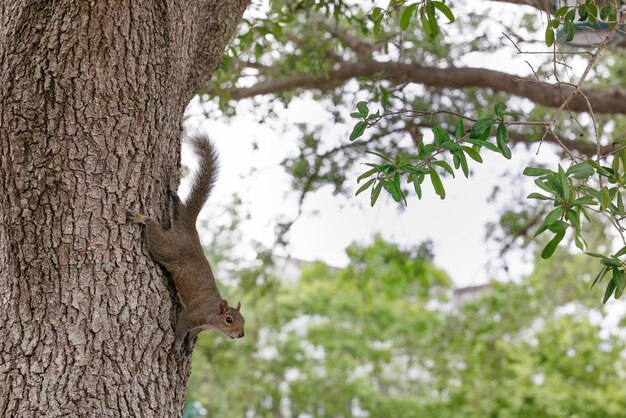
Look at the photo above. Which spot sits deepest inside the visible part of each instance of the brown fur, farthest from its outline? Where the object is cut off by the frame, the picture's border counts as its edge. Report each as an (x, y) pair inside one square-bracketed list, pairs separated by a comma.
[(180, 252)]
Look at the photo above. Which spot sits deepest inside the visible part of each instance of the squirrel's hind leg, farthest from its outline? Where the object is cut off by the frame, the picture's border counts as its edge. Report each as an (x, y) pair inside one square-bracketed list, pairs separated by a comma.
[(160, 242)]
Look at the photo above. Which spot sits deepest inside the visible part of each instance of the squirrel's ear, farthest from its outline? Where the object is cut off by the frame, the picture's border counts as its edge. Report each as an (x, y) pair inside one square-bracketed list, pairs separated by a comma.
[(223, 306), (238, 306)]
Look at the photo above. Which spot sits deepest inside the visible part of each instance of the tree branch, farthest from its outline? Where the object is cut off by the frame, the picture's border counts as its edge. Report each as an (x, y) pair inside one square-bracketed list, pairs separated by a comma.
[(610, 100), (208, 25)]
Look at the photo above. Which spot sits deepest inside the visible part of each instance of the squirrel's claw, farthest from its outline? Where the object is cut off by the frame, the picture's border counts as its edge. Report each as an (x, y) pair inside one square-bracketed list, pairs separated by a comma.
[(130, 215), (135, 217)]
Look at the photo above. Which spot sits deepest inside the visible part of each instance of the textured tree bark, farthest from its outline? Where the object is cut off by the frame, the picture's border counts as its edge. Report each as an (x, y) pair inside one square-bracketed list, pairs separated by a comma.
[(91, 101)]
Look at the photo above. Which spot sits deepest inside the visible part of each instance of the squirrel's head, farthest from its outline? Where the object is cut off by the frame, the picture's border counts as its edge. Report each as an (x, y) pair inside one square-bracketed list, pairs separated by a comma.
[(229, 320)]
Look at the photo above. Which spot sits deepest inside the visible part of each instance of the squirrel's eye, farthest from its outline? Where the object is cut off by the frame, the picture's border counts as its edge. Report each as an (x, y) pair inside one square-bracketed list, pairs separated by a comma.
[(229, 319)]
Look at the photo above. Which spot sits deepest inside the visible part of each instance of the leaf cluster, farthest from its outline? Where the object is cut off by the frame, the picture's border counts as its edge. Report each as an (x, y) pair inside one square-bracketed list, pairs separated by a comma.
[(430, 157)]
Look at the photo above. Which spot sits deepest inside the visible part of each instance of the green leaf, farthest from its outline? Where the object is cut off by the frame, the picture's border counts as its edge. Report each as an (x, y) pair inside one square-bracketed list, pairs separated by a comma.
[(549, 249), (432, 19), (499, 108), (445, 10), (368, 173), (583, 200), (362, 108), (549, 36), (464, 166), (481, 127), (502, 138), (610, 287), (459, 130), (441, 135), (618, 279), (397, 192), (451, 146), (378, 154), (611, 262), (418, 188), (428, 32), (579, 241), (376, 13), (597, 166), (606, 198), (551, 180), (377, 27), (405, 19), (615, 164), (258, 50), (407, 168), (540, 231), (589, 253), (445, 166), (538, 196), (483, 143), (570, 30), (375, 193), (365, 186), (429, 148), (472, 154), (561, 11), (558, 226), (536, 171), (436, 181), (544, 186), (573, 219), (581, 171), (358, 130), (553, 216), (599, 276), (502, 133), (564, 184)]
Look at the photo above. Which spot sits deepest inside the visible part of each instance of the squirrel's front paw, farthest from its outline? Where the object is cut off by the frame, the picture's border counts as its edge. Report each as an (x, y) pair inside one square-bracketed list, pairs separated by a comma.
[(135, 217), (177, 346)]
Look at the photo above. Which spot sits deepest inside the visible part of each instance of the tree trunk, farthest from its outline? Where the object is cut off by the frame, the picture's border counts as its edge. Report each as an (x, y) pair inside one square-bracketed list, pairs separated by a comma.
[(92, 95)]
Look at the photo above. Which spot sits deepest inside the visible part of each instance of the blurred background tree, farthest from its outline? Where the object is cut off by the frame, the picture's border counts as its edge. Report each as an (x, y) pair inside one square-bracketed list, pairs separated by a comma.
[(389, 337)]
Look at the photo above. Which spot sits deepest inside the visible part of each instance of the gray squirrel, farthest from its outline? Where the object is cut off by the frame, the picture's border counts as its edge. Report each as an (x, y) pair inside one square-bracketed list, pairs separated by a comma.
[(180, 252)]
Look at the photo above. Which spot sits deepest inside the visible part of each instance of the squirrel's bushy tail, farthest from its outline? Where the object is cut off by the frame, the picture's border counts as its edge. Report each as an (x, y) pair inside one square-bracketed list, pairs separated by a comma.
[(205, 176)]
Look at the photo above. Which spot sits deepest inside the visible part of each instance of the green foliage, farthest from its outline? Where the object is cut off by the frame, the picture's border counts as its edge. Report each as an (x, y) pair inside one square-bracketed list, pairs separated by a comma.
[(574, 200), (431, 156), (284, 43), (383, 335), (425, 9)]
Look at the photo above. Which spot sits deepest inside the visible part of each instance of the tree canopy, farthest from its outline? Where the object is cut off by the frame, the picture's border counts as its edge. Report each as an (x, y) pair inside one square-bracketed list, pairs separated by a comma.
[(424, 90)]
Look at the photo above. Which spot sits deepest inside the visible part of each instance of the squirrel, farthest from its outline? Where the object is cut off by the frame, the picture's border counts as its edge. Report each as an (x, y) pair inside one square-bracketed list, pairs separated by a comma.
[(180, 252)]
